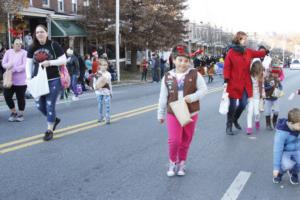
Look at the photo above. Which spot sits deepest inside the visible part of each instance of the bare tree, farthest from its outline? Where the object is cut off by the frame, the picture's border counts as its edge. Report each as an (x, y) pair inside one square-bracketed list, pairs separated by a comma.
[(152, 24)]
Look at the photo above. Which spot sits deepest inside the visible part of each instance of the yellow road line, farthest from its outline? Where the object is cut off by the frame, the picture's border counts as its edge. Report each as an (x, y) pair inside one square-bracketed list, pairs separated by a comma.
[(80, 130), (4, 145), (37, 139)]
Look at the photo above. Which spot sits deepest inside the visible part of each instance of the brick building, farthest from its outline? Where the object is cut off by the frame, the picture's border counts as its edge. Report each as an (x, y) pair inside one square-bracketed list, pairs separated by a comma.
[(60, 16)]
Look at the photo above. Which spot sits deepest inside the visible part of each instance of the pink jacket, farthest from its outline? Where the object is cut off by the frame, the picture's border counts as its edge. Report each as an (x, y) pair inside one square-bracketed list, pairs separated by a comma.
[(18, 59)]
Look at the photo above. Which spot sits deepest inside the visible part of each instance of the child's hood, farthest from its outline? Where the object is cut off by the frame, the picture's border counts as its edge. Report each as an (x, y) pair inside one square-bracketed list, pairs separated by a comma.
[(282, 125)]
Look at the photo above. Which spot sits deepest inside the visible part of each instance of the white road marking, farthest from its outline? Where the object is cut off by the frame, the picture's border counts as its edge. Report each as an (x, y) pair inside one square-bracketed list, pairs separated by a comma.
[(237, 186)]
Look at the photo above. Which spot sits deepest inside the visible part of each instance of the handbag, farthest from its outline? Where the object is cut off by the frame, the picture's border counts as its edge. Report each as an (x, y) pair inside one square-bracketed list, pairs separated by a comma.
[(7, 79), (38, 85), (224, 104), (181, 112), (65, 78)]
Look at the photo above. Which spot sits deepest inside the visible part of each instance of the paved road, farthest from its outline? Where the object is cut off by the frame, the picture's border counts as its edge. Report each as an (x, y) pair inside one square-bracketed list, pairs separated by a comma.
[(127, 160)]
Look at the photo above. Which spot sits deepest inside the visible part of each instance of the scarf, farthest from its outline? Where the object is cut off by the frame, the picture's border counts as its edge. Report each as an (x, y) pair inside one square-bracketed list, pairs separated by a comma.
[(237, 48)]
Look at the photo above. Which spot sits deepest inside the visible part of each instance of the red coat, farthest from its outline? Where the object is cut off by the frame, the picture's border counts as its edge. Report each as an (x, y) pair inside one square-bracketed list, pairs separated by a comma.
[(237, 72)]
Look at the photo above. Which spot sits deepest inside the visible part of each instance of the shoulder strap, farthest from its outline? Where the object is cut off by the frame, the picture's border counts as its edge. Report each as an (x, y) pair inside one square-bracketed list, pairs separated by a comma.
[(53, 50)]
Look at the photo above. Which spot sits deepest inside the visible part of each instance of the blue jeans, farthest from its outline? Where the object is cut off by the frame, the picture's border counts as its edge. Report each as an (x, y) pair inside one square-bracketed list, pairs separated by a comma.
[(235, 111), (104, 99), (74, 84), (290, 161), (46, 103)]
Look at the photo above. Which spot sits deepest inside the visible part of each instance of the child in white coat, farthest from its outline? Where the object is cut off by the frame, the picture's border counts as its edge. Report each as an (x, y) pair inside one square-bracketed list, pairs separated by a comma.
[(253, 106), (103, 89)]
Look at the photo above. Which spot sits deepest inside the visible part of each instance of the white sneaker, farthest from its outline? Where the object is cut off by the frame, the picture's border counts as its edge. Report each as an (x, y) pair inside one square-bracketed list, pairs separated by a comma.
[(181, 169), (171, 170), (74, 98)]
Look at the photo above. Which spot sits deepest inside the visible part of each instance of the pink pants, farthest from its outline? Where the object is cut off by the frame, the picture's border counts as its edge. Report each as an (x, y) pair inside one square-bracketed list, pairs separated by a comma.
[(179, 137)]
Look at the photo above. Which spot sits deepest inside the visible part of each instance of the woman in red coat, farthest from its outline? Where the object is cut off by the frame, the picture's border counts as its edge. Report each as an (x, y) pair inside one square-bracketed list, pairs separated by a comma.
[(237, 78)]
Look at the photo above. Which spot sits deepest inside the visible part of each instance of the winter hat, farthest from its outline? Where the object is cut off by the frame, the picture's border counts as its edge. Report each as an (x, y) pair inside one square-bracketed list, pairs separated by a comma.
[(70, 51), (275, 69), (95, 53), (104, 55), (180, 50)]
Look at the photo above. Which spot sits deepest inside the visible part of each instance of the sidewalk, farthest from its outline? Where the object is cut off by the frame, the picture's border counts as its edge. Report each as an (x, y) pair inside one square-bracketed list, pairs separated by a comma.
[(115, 84), (217, 81)]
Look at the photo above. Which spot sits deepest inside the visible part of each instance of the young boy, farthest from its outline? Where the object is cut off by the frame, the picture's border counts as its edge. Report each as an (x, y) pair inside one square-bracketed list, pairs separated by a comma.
[(185, 83), (273, 90), (286, 152)]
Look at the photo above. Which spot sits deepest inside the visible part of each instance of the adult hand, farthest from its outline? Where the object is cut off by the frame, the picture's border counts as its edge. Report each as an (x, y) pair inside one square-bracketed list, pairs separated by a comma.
[(46, 63), (225, 87), (161, 121), (267, 51), (27, 80)]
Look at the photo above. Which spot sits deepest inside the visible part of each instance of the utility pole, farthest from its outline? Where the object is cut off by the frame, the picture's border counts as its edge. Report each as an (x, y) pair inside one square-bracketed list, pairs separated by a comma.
[(118, 38)]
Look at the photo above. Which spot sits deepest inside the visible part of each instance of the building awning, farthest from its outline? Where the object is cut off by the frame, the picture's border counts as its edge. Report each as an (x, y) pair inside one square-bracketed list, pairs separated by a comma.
[(65, 28)]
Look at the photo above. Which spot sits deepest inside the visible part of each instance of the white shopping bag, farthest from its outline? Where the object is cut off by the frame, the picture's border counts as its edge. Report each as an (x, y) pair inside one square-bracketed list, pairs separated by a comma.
[(224, 104), (181, 111), (291, 97), (261, 105), (38, 86)]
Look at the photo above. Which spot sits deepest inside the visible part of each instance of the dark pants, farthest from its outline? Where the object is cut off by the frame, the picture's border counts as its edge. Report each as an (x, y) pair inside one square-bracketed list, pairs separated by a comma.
[(144, 74), (235, 110), (74, 84), (155, 76), (162, 72), (20, 94), (46, 104)]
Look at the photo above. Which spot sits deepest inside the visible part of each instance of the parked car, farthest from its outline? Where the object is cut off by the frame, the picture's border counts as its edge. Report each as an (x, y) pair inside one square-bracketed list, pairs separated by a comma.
[(295, 64)]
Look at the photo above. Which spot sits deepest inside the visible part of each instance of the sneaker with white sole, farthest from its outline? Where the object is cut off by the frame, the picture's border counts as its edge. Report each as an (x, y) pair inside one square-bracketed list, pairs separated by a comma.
[(20, 118), (74, 98), (171, 169), (181, 169), (277, 179), (293, 178), (12, 117)]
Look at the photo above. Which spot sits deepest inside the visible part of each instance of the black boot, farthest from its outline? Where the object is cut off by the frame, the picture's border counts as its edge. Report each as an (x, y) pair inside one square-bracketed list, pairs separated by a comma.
[(229, 124), (274, 120), (48, 135), (229, 128), (236, 124), (268, 123), (236, 118)]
